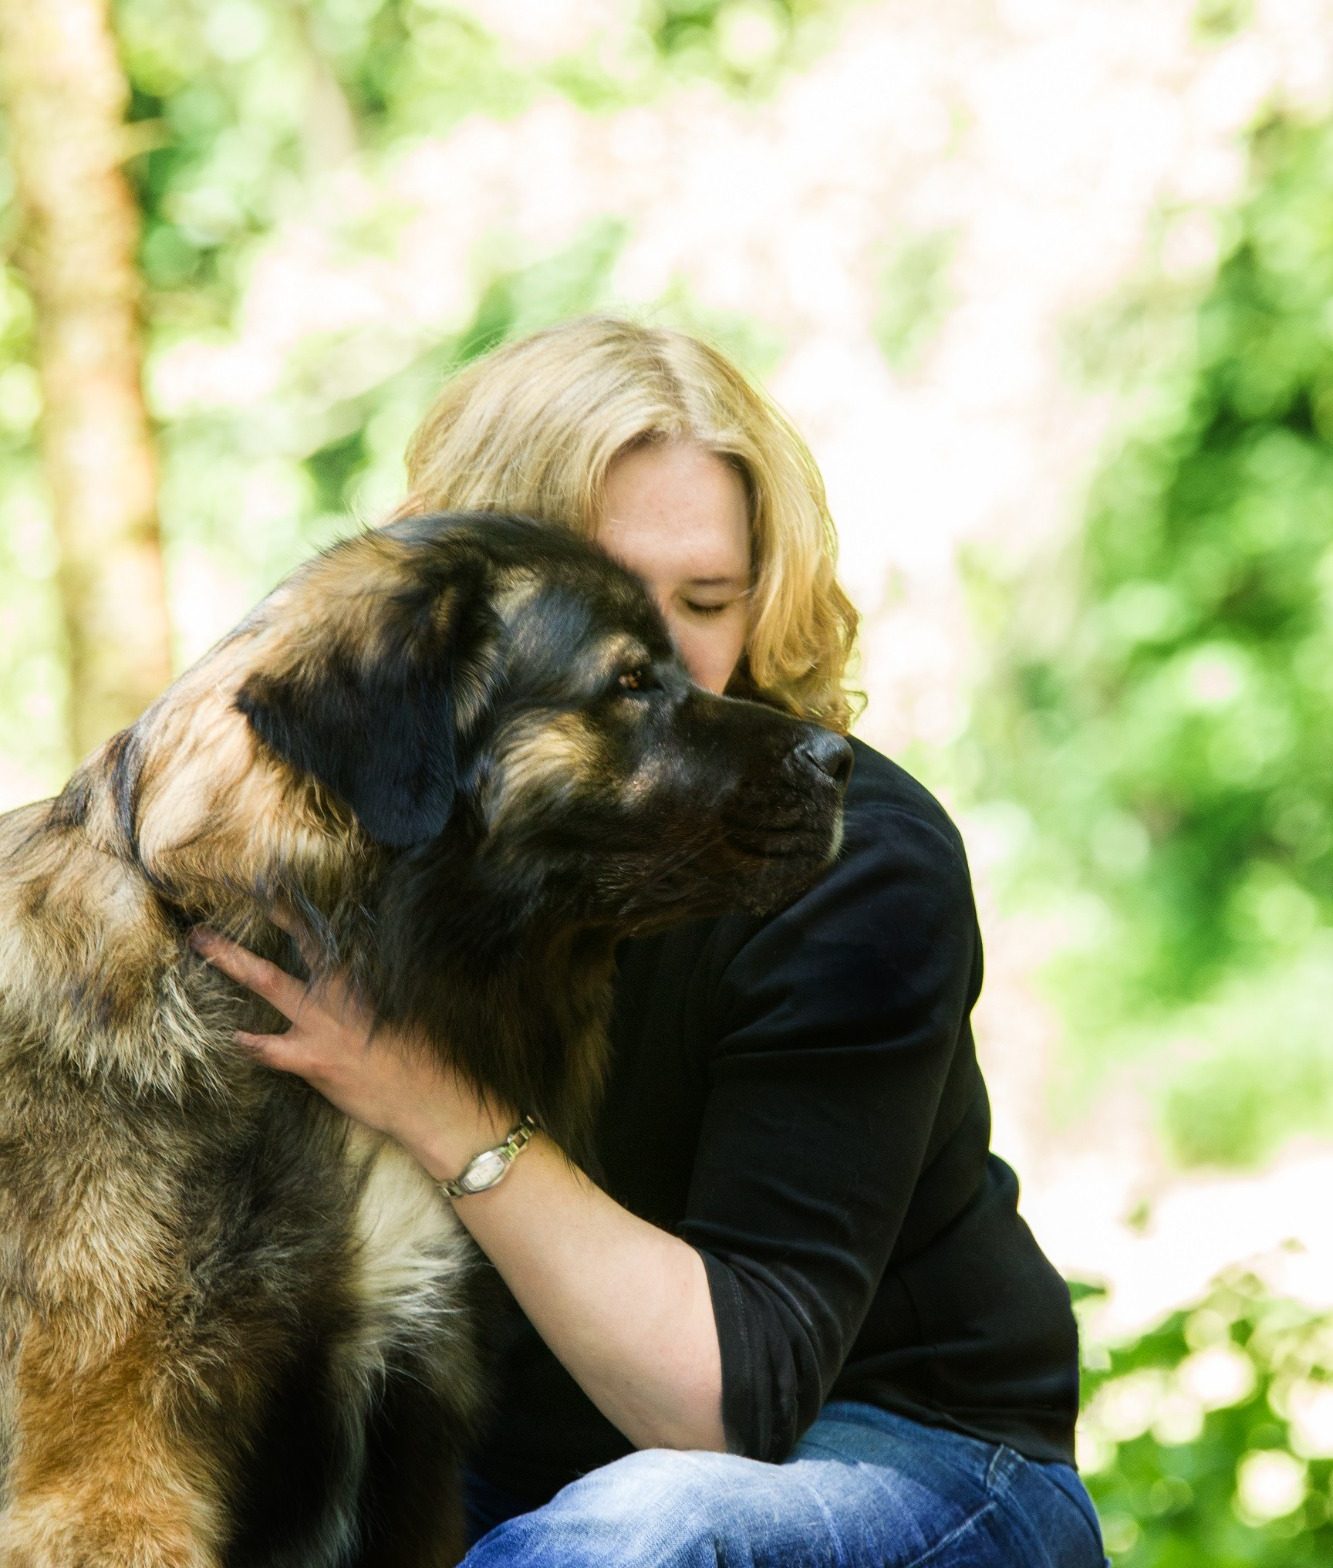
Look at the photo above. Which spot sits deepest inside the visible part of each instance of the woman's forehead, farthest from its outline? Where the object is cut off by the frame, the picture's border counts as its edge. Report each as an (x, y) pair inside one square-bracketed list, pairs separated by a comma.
[(677, 510)]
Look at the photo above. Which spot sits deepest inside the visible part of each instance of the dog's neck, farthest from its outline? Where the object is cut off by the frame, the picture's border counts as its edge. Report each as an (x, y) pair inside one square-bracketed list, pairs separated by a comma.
[(518, 1005), (556, 1053)]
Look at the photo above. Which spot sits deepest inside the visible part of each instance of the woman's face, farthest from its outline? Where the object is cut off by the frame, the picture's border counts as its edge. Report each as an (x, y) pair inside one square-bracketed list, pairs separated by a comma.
[(677, 516)]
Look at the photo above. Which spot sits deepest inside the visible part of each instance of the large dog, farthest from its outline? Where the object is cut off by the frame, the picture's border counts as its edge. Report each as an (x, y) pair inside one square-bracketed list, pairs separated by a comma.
[(461, 751)]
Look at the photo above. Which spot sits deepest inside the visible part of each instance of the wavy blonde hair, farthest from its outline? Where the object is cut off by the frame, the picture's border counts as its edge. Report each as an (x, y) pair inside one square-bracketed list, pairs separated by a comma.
[(534, 425)]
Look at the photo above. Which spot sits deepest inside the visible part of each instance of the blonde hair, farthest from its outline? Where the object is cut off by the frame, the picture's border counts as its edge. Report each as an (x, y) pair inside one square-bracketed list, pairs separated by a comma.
[(534, 425)]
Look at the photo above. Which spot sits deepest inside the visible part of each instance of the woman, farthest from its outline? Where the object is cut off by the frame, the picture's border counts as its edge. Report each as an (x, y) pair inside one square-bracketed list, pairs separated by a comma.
[(796, 1318)]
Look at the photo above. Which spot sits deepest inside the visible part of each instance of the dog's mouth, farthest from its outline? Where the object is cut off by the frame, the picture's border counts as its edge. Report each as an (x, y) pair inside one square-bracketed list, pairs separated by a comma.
[(740, 862), (778, 824), (793, 843)]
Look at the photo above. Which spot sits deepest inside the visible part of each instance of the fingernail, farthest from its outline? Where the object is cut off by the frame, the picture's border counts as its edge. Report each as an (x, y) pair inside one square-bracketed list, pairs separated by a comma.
[(202, 938)]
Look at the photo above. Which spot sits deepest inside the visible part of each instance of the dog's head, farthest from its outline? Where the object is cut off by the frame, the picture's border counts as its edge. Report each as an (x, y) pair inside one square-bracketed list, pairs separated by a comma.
[(465, 750), (495, 697)]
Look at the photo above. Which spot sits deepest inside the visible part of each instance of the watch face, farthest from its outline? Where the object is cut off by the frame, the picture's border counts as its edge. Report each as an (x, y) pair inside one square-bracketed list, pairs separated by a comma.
[(483, 1172)]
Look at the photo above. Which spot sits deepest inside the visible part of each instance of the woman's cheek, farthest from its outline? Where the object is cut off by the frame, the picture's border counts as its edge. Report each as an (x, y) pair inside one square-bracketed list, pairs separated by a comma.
[(711, 652)]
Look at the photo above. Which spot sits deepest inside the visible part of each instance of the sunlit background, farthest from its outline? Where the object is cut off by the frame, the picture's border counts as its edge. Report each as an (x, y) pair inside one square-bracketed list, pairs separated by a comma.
[(1049, 288)]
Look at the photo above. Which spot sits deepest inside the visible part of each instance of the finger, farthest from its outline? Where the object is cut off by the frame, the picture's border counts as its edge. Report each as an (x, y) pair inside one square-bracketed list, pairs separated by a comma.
[(271, 1050), (285, 918), (256, 974)]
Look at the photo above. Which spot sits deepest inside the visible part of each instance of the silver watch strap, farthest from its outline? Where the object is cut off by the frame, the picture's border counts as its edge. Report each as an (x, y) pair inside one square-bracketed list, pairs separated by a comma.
[(491, 1166)]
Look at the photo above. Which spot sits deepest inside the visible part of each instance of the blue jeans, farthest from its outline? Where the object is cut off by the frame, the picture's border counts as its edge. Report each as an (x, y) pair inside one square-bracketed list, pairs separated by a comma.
[(863, 1489)]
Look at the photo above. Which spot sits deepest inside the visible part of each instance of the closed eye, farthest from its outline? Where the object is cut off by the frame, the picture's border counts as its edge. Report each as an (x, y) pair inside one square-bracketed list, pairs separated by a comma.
[(705, 609)]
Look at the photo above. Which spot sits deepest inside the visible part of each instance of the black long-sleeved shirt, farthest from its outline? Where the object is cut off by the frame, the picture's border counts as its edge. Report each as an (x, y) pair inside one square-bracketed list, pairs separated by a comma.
[(798, 1098)]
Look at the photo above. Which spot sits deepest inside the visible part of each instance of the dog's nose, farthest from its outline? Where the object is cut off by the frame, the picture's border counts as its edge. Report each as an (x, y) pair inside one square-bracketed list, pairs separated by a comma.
[(829, 753)]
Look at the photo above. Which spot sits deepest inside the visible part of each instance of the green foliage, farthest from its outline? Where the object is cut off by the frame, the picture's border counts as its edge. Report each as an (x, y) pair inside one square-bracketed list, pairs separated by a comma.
[(237, 103), (282, 483), (1171, 735), (914, 297), (1215, 20), (745, 43), (244, 115), (1209, 1440)]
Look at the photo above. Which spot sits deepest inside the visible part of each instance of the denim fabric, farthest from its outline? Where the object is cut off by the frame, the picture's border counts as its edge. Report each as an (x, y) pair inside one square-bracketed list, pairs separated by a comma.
[(863, 1489)]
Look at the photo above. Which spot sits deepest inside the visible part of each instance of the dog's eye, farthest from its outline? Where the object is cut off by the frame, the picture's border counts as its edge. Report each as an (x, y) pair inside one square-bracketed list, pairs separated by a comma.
[(634, 680)]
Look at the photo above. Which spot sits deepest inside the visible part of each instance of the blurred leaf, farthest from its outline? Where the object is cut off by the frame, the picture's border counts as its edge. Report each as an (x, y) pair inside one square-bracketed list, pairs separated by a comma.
[(914, 298), (1209, 1439), (1171, 736)]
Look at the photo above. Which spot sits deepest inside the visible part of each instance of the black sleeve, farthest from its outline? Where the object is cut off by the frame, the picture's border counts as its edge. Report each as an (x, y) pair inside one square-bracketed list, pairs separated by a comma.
[(837, 1024)]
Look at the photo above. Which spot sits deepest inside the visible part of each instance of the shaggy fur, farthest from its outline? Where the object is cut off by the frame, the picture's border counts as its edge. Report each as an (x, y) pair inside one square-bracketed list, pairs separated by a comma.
[(235, 1327)]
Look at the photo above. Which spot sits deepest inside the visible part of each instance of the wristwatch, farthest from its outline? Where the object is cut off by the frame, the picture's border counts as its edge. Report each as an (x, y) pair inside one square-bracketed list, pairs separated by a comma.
[(484, 1170)]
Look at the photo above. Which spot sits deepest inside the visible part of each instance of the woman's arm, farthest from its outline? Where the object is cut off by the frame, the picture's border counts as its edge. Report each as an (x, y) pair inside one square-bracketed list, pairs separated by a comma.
[(623, 1305)]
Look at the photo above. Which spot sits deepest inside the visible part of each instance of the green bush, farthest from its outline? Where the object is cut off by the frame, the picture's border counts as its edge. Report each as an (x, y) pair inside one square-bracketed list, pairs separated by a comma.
[(1208, 1442), (1167, 732)]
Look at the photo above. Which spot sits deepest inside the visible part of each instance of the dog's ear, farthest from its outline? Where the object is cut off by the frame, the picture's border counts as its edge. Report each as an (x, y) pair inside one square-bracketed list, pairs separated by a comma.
[(373, 716)]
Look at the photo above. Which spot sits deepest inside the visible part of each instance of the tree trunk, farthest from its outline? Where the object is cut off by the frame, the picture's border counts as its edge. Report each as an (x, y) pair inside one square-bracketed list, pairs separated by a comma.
[(65, 97)]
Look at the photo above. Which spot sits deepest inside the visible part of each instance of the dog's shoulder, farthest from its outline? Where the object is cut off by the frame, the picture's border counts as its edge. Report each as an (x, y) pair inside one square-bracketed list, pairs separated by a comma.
[(86, 952)]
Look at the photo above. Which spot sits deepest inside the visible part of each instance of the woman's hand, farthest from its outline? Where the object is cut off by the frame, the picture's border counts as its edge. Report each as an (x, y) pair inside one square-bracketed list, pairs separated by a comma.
[(387, 1080)]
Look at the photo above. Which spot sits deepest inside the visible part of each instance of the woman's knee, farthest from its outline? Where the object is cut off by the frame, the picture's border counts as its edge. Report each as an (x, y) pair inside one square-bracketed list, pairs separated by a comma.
[(657, 1508), (696, 1492)]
